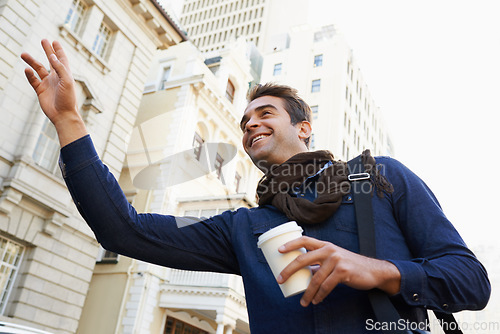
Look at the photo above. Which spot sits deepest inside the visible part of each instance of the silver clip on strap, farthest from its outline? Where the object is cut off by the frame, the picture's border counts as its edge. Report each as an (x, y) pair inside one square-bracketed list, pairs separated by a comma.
[(358, 177)]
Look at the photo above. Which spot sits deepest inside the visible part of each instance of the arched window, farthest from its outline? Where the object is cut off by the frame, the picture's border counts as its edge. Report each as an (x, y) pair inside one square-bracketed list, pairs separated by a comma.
[(230, 91), (197, 145)]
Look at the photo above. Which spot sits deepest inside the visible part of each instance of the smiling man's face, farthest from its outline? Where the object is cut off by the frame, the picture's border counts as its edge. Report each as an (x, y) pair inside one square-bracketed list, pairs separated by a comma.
[(269, 137)]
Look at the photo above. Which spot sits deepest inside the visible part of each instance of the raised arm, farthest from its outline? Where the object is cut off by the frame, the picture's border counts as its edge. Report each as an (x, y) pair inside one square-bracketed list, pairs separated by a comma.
[(118, 227), (55, 89)]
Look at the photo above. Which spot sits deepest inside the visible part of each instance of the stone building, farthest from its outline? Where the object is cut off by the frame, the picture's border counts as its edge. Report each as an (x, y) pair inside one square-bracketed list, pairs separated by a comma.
[(212, 24), (321, 65), (48, 252)]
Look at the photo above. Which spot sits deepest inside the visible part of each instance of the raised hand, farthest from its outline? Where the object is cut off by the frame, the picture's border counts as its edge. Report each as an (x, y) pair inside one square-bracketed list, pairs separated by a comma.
[(338, 265), (56, 91)]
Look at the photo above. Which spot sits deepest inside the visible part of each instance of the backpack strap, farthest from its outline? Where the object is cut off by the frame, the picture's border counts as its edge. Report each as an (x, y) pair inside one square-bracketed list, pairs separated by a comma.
[(361, 191)]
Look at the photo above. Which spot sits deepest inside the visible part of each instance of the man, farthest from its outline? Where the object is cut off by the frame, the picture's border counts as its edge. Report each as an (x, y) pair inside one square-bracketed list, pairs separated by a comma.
[(422, 261)]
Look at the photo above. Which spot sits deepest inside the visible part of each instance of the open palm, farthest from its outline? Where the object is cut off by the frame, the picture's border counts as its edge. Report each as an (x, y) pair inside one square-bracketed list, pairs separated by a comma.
[(55, 88), (56, 92)]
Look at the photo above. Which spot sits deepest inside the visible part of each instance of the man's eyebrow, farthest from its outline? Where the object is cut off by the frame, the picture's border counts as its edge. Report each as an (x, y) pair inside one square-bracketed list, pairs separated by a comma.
[(244, 119)]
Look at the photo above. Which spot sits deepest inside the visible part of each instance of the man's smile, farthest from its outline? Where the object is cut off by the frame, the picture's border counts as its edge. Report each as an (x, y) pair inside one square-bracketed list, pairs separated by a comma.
[(257, 138)]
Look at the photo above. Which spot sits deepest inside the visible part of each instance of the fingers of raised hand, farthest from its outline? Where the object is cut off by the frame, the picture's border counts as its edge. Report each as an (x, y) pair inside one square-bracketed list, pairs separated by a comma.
[(36, 65), (61, 55), (47, 47), (32, 78), (58, 66)]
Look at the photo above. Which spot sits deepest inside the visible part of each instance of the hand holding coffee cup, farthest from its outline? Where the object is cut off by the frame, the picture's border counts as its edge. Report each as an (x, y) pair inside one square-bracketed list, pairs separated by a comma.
[(270, 241)]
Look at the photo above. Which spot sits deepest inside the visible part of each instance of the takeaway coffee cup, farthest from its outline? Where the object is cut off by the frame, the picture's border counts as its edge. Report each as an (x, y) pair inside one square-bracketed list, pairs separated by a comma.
[(270, 241)]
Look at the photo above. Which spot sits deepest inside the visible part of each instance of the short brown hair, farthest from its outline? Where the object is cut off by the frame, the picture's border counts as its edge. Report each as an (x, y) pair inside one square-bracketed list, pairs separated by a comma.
[(295, 106)]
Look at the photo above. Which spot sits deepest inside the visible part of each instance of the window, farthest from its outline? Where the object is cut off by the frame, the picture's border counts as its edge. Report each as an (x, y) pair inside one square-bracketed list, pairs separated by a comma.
[(75, 15), (197, 145), (230, 91), (192, 213), (314, 110), (218, 165), (205, 213), (214, 68), (164, 77), (318, 60), (277, 69), (316, 84), (47, 148), (101, 41), (174, 326), (11, 256)]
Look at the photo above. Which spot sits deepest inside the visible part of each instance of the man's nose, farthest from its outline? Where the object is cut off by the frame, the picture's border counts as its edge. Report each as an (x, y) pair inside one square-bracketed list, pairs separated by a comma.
[(252, 123)]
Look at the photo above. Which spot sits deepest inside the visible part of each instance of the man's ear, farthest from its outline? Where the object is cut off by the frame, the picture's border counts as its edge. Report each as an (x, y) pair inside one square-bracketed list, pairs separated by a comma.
[(305, 130)]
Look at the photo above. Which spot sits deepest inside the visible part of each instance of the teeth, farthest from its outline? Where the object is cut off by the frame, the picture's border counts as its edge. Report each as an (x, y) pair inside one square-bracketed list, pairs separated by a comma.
[(258, 137)]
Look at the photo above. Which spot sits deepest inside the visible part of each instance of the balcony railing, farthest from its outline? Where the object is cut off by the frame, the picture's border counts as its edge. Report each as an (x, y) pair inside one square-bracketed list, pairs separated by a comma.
[(207, 279)]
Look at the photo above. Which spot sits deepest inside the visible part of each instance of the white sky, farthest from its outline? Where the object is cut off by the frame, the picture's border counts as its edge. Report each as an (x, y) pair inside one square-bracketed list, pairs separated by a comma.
[(433, 67)]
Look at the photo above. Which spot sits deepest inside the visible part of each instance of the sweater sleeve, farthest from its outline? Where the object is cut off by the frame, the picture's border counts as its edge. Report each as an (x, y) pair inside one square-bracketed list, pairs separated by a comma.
[(154, 238), (443, 274)]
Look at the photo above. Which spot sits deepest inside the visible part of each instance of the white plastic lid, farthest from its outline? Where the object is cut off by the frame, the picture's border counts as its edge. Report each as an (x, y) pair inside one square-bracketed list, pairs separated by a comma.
[(283, 228)]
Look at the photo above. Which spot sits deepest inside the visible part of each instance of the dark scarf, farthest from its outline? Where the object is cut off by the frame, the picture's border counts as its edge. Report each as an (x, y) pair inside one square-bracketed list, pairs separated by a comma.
[(277, 185)]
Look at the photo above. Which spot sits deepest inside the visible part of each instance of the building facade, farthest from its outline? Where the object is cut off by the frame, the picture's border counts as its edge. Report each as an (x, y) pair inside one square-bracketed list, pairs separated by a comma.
[(320, 65), (185, 158), (48, 252), (212, 24)]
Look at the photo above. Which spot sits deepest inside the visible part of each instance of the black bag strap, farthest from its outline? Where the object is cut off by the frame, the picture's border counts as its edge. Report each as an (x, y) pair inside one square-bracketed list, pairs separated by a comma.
[(361, 191)]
